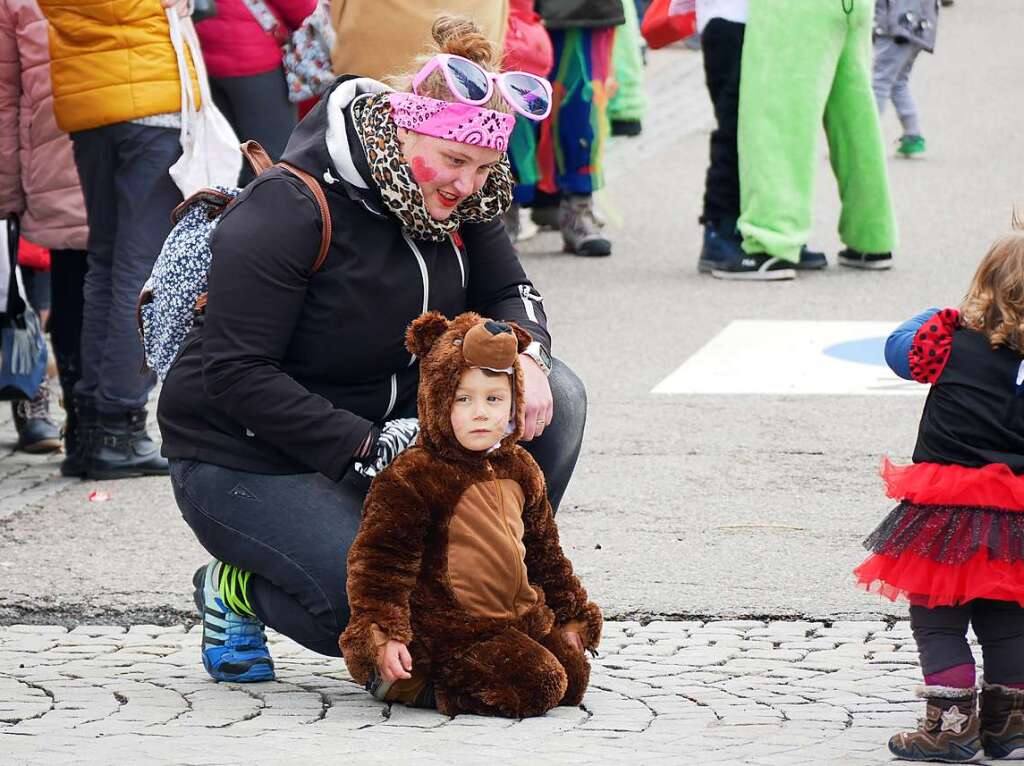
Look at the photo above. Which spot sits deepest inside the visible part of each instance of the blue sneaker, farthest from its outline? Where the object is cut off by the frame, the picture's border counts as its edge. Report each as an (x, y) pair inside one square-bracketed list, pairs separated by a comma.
[(234, 646), (721, 246)]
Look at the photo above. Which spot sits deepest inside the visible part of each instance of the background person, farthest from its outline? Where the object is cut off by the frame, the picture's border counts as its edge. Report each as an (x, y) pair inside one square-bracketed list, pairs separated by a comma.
[(39, 184), (805, 64), (246, 76), (903, 28)]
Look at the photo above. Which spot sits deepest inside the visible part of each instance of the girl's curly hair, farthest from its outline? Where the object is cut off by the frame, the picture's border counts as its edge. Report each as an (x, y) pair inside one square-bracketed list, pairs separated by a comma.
[(994, 304)]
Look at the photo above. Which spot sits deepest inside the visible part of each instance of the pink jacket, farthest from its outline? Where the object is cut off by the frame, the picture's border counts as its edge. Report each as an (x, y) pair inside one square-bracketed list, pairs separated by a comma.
[(38, 178), (234, 43)]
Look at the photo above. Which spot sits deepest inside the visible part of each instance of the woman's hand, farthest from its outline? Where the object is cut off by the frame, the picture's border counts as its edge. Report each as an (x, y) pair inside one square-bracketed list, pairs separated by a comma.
[(394, 661), (540, 408), (574, 640)]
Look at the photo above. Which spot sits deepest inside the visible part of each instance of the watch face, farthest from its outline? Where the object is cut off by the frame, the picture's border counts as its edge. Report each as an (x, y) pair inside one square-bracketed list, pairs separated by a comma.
[(545, 357)]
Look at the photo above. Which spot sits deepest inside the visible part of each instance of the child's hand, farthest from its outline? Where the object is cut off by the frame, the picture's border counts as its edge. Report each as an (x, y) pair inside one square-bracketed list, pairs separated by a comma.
[(394, 661), (574, 640)]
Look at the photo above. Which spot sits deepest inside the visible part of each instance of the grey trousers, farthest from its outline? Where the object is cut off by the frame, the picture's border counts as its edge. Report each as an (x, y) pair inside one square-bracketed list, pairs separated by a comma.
[(891, 80)]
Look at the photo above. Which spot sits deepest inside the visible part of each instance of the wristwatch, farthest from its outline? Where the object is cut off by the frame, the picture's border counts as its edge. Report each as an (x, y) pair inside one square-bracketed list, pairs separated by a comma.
[(540, 355)]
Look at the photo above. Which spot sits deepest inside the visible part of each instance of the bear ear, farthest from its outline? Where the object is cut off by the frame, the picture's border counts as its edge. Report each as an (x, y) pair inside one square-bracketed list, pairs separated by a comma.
[(523, 338), (424, 332)]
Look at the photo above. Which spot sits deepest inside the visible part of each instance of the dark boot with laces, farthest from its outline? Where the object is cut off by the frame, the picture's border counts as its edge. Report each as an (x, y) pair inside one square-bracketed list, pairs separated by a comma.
[(1002, 722), (949, 732), (120, 448), (37, 431)]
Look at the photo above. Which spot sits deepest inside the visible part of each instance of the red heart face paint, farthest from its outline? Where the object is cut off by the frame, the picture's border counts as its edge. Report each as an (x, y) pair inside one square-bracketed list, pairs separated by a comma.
[(421, 171)]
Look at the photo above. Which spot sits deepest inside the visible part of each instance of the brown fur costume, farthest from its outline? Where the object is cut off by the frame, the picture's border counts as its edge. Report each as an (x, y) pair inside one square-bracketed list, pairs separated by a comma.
[(458, 555)]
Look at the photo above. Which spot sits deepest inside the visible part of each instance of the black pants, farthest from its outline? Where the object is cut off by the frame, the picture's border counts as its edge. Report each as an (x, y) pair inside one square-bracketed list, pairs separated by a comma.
[(129, 196), (258, 108), (293, 531), (67, 291), (941, 635), (722, 42)]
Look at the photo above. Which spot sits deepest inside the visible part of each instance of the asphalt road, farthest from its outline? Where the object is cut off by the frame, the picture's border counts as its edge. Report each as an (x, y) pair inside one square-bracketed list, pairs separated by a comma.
[(682, 505)]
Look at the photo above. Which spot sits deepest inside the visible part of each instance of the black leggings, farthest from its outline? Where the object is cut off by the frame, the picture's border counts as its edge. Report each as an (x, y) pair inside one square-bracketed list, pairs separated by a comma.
[(293, 531), (941, 635)]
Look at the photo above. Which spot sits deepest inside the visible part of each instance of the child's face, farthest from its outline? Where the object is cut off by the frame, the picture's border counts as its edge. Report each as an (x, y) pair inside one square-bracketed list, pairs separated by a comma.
[(482, 409)]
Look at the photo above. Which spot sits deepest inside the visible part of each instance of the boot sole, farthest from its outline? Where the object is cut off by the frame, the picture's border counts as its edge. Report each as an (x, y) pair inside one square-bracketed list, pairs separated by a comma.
[(40, 447), (122, 474), (590, 250)]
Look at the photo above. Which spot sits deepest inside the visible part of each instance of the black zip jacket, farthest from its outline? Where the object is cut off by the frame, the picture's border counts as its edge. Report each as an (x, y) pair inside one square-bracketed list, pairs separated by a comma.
[(288, 370)]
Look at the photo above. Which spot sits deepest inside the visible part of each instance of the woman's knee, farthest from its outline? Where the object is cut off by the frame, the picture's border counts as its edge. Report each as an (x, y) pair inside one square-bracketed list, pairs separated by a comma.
[(568, 391)]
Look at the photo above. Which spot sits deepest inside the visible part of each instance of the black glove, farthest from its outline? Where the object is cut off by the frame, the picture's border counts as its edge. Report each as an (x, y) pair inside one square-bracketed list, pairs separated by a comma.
[(395, 436)]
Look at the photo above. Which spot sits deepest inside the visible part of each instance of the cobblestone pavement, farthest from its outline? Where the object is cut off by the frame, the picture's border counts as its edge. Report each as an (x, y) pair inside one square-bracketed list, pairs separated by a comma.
[(667, 692)]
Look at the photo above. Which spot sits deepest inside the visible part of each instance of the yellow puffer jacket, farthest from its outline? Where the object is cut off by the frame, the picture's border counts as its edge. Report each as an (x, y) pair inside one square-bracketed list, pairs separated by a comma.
[(111, 61)]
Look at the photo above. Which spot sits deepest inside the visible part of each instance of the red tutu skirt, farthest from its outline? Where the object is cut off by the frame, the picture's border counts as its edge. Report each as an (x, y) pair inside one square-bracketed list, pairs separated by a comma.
[(957, 535)]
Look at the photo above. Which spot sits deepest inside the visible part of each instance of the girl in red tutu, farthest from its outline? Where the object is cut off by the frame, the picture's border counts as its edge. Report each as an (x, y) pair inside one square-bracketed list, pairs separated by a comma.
[(954, 546)]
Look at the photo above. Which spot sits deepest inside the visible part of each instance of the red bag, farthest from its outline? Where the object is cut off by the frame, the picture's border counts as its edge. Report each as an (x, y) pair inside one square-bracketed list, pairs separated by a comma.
[(33, 256), (659, 29), (527, 44)]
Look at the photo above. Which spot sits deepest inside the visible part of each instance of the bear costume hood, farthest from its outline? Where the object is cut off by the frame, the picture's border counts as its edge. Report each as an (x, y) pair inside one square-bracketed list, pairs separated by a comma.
[(446, 349)]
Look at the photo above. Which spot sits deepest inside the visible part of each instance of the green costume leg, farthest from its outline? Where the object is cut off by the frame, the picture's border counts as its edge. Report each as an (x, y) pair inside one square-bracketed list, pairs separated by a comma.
[(856, 146), (790, 75), (630, 100)]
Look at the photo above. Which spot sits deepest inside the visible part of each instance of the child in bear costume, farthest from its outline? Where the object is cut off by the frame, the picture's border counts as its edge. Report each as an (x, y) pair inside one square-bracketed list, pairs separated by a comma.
[(460, 593)]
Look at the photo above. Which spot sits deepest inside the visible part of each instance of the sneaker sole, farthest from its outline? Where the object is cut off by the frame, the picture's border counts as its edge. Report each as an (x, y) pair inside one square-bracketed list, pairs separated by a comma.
[(870, 266), (755, 276)]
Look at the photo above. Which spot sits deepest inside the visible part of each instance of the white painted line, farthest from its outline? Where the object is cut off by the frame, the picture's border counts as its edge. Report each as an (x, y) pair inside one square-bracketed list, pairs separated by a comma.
[(792, 357)]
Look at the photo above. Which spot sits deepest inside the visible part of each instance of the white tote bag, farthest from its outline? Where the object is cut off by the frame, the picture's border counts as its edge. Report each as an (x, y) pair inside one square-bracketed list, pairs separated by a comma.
[(210, 155)]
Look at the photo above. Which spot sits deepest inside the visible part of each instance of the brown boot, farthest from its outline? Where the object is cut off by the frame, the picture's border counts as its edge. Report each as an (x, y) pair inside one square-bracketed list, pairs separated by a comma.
[(948, 733), (1002, 722)]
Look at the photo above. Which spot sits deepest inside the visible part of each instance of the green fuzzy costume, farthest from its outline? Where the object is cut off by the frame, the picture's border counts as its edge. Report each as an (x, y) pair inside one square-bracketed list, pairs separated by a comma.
[(805, 61), (630, 100)]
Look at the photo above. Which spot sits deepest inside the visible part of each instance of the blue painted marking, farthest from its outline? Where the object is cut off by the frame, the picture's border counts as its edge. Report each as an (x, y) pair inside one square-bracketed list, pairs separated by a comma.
[(861, 351)]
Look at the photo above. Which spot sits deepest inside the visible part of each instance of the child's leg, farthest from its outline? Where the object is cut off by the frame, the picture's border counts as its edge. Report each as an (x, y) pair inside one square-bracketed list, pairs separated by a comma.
[(941, 636), (574, 662), (902, 99), (890, 58), (1000, 629), (949, 731), (508, 675)]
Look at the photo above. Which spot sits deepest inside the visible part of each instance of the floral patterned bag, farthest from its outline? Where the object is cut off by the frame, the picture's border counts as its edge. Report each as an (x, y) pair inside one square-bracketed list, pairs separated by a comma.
[(307, 50)]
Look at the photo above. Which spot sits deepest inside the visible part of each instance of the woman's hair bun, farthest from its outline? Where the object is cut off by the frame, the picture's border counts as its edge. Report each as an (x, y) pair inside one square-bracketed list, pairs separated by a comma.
[(460, 36)]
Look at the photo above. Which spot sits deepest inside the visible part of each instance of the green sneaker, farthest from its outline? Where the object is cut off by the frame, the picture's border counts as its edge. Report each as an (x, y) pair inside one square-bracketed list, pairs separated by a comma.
[(911, 145)]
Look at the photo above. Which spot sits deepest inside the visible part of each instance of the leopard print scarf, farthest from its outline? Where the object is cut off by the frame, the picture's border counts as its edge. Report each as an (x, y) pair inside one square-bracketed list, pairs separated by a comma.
[(399, 190)]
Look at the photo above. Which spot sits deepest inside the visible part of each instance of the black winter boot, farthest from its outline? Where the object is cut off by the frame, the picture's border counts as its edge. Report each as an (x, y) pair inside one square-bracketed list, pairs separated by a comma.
[(1002, 722), (120, 448), (79, 430)]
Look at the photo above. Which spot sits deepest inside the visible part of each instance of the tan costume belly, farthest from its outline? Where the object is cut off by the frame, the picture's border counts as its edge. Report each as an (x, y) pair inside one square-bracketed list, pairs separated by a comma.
[(486, 555)]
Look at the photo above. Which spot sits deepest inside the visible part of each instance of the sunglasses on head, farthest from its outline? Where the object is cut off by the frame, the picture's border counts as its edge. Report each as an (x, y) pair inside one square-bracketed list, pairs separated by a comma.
[(526, 93)]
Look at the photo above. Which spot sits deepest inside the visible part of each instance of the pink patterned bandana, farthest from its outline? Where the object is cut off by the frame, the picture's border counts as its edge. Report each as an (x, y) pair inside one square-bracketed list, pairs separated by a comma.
[(453, 121)]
